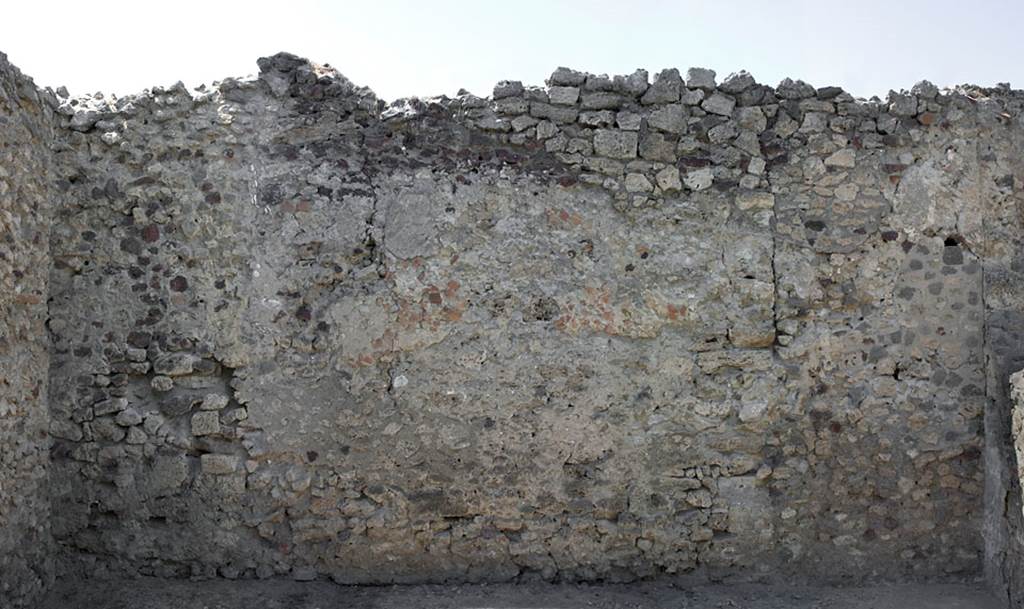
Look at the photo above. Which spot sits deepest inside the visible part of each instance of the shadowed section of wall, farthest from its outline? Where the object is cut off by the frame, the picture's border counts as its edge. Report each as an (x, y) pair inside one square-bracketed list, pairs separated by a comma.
[(1001, 171), (604, 329), (26, 203)]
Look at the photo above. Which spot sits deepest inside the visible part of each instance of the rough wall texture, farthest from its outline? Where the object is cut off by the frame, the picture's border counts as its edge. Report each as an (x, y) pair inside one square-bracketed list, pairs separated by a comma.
[(26, 201), (1001, 171), (603, 329)]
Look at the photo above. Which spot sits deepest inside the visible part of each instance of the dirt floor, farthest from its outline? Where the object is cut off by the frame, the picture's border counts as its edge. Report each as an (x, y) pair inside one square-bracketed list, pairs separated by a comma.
[(277, 594)]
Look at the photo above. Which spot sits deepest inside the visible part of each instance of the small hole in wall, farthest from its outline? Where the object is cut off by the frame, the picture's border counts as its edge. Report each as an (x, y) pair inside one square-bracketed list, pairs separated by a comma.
[(952, 241)]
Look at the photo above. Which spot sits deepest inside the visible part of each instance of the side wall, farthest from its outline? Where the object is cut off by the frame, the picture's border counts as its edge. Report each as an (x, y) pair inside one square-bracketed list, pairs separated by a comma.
[(26, 197), (1002, 182), (604, 329)]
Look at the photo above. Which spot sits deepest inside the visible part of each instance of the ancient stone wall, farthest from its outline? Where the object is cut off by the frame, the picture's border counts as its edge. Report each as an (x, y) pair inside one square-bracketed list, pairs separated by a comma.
[(26, 202), (604, 329)]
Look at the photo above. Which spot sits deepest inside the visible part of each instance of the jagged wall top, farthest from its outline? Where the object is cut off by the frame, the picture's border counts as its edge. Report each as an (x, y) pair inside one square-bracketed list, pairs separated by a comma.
[(638, 138), (286, 73)]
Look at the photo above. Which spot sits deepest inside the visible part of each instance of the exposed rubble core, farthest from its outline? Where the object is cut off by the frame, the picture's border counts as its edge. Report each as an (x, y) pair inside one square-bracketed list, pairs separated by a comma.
[(608, 329)]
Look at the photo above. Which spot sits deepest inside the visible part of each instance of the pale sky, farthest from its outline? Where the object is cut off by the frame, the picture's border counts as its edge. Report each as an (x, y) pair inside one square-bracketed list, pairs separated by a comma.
[(405, 47)]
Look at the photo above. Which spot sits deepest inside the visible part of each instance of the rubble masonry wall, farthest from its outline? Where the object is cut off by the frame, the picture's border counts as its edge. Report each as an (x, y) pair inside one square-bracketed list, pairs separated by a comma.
[(606, 329)]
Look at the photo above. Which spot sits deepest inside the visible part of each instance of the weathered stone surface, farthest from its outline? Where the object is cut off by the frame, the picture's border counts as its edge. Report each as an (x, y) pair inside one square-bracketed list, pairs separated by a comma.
[(220, 465), (174, 364), (719, 104), (658, 147), (161, 383), (615, 144), (205, 423), (699, 179), (634, 85), (214, 401), (736, 83), (755, 200), (564, 96), (566, 77), (128, 417), (664, 89), (751, 119), (846, 158), (668, 179), (638, 182), (902, 105), (508, 88), (109, 406), (794, 89), (601, 100), (670, 118), (554, 113), (700, 78), (628, 121), (925, 90)]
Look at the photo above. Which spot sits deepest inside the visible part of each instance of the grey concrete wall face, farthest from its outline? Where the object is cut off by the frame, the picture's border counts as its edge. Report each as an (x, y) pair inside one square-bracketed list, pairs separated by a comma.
[(606, 329), (26, 201)]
